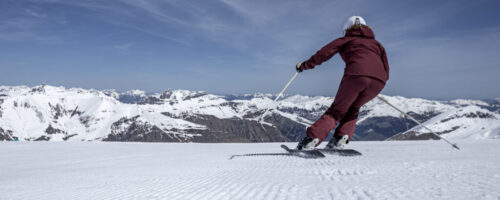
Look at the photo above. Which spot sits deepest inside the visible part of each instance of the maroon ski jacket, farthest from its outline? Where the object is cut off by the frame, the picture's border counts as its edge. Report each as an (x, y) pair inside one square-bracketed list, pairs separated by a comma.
[(363, 55)]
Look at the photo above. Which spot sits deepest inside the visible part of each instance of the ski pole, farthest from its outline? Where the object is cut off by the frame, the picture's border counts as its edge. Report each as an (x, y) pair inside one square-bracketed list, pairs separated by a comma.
[(12, 139), (279, 95), (420, 124)]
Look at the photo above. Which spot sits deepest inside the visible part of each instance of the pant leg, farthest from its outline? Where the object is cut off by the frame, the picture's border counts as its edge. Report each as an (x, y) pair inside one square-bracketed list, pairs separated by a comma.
[(349, 90), (348, 123)]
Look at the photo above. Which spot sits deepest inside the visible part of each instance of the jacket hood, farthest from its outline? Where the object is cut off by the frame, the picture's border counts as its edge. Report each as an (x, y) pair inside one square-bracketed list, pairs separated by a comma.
[(364, 31)]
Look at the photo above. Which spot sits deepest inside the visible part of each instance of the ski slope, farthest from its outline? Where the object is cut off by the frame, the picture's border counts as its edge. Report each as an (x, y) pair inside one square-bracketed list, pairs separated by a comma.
[(387, 170)]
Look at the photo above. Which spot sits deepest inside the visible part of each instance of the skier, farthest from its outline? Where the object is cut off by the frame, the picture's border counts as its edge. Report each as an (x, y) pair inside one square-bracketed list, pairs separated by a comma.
[(365, 75)]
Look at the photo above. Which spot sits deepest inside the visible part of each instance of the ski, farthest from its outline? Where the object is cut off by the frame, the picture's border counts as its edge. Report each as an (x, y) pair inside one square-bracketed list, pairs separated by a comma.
[(321, 152), (304, 153), (309, 154), (261, 154), (340, 152)]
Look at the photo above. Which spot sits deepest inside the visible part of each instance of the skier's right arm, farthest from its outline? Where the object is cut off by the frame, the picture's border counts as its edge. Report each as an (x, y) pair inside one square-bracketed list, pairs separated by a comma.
[(324, 53)]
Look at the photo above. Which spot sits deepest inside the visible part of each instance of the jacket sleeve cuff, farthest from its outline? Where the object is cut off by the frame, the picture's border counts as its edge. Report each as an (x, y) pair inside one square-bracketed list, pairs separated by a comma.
[(305, 65)]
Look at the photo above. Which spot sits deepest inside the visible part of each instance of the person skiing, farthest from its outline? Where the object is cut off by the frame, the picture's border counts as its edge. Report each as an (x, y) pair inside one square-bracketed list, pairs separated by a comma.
[(365, 75)]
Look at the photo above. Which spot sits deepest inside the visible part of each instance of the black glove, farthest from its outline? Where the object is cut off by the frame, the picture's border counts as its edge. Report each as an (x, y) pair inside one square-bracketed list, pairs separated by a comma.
[(298, 68)]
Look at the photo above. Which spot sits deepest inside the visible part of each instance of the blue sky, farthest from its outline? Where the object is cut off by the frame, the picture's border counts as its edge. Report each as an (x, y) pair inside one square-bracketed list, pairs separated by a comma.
[(436, 49)]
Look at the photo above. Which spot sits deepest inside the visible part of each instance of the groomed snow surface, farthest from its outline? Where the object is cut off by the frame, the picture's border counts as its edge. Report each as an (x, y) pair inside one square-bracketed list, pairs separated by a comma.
[(387, 170)]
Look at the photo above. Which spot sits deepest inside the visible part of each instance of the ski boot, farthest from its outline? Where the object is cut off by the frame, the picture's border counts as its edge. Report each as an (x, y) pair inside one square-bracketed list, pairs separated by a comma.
[(307, 143), (337, 142)]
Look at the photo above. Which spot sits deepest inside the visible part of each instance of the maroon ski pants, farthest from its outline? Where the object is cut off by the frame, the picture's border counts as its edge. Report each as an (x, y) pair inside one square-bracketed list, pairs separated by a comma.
[(354, 92)]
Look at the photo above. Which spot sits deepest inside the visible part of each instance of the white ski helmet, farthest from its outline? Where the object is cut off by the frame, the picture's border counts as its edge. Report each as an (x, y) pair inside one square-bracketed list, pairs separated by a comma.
[(354, 20)]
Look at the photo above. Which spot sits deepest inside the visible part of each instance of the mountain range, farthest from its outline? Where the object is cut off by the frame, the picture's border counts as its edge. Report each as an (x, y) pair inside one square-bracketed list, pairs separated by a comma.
[(49, 113)]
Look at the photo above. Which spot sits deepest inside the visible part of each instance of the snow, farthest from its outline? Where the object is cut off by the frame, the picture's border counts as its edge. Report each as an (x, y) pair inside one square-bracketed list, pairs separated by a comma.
[(469, 102), (465, 127), (416, 105), (136, 92), (387, 170)]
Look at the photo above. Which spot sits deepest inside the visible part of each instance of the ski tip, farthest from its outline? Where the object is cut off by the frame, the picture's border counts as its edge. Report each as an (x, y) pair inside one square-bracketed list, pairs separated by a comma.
[(455, 146), (284, 146), (320, 155)]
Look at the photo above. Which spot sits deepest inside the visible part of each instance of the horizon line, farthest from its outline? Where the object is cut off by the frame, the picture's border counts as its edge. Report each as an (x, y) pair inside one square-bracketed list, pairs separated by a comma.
[(149, 93)]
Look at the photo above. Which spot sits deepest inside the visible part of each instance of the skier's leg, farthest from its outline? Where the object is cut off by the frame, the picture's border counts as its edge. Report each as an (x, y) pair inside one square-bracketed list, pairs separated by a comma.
[(348, 92), (321, 127), (348, 123)]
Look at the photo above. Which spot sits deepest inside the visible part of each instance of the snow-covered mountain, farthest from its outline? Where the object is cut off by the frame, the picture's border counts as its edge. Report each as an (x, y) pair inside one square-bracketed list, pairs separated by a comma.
[(460, 123), (56, 113)]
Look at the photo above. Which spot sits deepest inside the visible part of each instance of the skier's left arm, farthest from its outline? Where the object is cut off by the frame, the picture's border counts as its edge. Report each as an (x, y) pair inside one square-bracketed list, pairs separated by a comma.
[(323, 54)]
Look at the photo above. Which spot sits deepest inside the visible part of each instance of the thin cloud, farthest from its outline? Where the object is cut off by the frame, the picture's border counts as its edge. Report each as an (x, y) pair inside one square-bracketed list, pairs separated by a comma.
[(35, 13), (125, 46)]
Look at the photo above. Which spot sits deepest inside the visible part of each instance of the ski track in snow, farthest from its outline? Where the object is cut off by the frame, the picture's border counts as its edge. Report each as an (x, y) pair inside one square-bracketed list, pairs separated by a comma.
[(387, 170)]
